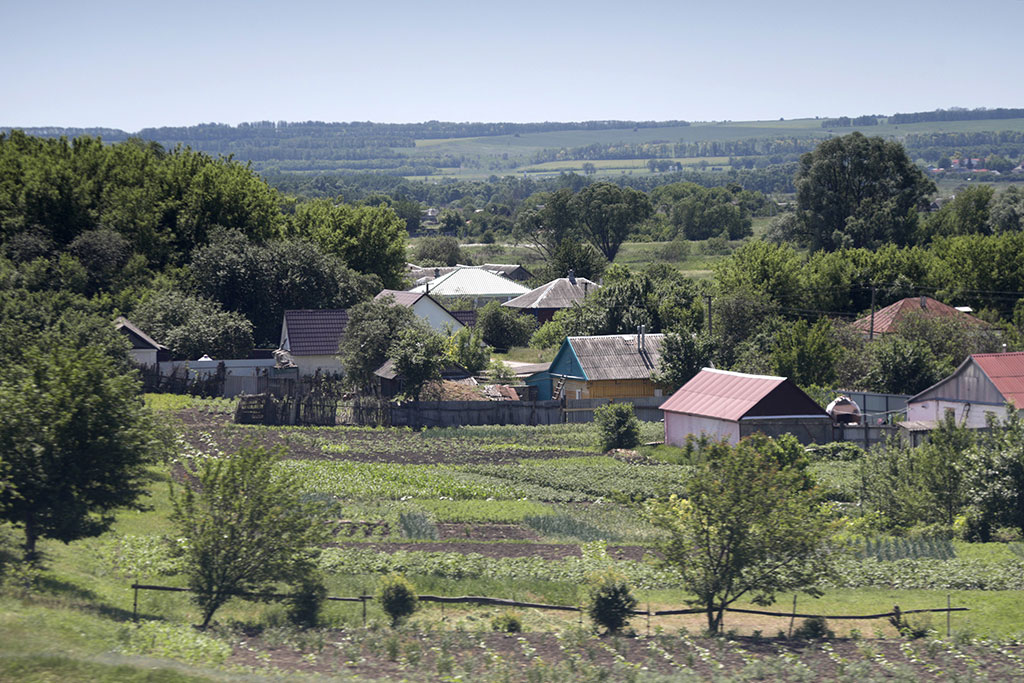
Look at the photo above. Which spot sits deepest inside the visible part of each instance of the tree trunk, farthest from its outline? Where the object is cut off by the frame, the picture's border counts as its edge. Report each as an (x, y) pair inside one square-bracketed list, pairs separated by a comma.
[(31, 536)]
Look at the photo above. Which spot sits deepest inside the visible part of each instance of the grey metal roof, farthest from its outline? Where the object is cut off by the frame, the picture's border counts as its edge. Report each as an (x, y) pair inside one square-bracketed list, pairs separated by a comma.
[(618, 356), (559, 293), (472, 282), (315, 333), (139, 339)]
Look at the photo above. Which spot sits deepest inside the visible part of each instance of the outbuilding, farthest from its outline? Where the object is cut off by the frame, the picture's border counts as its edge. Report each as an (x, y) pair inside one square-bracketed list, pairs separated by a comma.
[(732, 405), (981, 386)]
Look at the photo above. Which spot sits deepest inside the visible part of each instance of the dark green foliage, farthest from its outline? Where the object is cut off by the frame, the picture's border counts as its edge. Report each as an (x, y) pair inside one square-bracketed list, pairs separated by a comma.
[(583, 259), (417, 525), (683, 355), (307, 601), (397, 598), (418, 355), (439, 251), (607, 214), (502, 327), (855, 191), (507, 622), (617, 426), (698, 213), (246, 528), (813, 628), (806, 353), (566, 526), (467, 348), (838, 451), (373, 326), (610, 602), (994, 478), (967, 214), (191, 326), (891, 549), (75, 438)]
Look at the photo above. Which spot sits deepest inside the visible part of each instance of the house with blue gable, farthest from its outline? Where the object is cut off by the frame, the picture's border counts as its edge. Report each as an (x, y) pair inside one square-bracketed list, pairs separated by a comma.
[(603, 366)]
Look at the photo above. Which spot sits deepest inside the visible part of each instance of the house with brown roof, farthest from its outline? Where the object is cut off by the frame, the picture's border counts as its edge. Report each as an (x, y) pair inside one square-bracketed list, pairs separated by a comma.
[(604, 366), (982, 386), (732, 405), (311, 337), (546, 300), (888, 319)]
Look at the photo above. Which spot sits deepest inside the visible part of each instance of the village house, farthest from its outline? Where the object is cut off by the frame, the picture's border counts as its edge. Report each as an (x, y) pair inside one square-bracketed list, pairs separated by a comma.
[(732, 405), (982, 386), (476, 284), (606, 366), (145, 350), (546, 300), (887, 320)]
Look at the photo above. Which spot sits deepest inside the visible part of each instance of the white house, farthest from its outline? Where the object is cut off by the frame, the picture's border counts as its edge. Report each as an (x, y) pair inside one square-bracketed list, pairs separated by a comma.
[(426, 308)]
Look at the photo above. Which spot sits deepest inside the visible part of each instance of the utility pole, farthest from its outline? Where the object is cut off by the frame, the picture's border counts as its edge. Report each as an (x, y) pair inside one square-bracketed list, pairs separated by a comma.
[(871, 334), (708, 297)]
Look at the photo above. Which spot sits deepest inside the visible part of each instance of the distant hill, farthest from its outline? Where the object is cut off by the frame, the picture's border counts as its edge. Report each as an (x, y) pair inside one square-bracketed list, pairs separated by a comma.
[(481, 150)]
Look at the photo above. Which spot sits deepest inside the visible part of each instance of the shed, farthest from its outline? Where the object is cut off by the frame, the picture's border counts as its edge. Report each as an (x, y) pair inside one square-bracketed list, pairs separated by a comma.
[(546, 300), (982, 385), (603, 366), (732, 405), (145, 350)]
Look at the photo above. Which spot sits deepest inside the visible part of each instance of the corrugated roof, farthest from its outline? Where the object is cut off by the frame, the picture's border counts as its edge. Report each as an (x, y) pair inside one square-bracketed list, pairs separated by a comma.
[(1006, 370), (315, 333), (617, 356), (559, 293), (467, 318), (471, 282), (733, 395), (510, 270), (889, 317)]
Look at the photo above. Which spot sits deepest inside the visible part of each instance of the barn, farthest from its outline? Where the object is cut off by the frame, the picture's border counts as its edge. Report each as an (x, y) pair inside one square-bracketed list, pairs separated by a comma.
[(982, 385), (732, 405)]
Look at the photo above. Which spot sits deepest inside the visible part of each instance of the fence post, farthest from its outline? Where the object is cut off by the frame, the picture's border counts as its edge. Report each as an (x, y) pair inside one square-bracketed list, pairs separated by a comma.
[(793, 617), (135, 603), (648, 619), (948, 613), (362, 598)]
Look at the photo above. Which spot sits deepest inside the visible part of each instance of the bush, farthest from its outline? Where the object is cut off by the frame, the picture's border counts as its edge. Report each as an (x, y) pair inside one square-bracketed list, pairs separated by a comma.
[(507, 622), (417, 525), (306, 602), (549, 334), (610, 601), (503, 327), (617, 426), (439, 251), (397, 598), (814, 628)]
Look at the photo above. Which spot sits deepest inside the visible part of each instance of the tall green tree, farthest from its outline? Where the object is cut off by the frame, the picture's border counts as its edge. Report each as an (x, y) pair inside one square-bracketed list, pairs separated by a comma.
[(418, 354), (855, 191), (373, 326), (683, 355), (76, 440), (745, 525), (246, 527), (608, 214)]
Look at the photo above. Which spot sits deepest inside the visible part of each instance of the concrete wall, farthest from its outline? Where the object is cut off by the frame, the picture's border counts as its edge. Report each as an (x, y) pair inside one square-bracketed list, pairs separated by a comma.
[(678, 426), (308, 365), (973, 415)]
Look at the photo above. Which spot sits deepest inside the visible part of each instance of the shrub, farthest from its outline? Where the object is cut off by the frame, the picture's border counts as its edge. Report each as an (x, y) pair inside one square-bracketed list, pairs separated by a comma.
[(617, 426), (610, 601), (398, 598), (507, 622), (503, 327), (416, 524), (814, 628), (306, 602)]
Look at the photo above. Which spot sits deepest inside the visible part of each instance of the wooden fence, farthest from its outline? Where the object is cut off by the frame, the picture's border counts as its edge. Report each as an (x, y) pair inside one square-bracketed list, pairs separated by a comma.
[(896, 613), (267, 409)]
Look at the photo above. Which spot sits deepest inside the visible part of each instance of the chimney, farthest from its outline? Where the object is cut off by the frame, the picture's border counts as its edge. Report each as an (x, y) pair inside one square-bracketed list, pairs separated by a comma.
[(437, 272), (427, 287), (640, 337), (924, 301), (586, 288), (572, 276)]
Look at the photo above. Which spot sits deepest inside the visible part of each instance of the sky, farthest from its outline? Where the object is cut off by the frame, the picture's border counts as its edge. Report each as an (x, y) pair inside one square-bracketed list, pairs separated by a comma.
[(132, 64)]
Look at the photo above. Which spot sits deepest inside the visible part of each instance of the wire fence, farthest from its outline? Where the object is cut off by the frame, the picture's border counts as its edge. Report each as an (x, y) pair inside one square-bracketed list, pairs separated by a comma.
[(896, 612)]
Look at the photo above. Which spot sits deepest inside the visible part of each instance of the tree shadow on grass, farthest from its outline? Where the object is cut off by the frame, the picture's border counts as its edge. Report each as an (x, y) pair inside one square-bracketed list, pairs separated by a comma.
[(54, 592)]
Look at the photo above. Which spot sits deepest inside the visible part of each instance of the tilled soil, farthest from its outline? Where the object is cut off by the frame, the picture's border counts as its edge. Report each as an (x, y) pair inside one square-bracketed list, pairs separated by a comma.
[(548, 551)]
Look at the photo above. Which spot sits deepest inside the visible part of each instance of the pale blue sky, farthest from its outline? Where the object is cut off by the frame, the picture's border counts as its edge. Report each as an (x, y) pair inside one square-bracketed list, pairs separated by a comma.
[(137, 64)]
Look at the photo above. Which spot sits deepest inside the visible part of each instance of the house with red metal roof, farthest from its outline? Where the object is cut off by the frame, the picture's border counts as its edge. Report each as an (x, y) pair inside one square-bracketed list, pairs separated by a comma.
[(981, 386), (732, 405), (886, 320)]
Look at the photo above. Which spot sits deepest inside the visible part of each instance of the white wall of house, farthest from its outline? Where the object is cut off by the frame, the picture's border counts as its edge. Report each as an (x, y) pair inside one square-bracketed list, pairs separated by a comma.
[(970, 414), (435, 316), (679, 425), (308, 365)]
